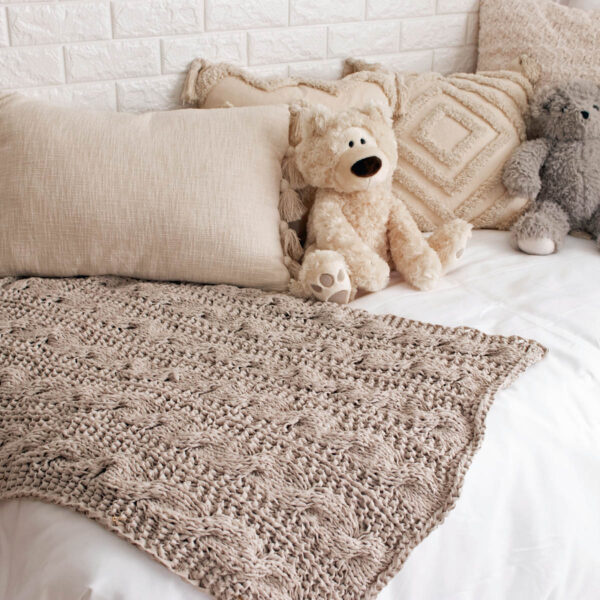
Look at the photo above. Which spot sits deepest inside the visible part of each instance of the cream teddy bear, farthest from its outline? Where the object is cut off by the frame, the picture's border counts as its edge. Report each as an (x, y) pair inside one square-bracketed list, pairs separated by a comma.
[(357, 228)]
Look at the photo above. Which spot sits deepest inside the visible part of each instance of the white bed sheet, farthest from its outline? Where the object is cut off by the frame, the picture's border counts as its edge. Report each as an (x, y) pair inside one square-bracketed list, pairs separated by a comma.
[(527, 525)]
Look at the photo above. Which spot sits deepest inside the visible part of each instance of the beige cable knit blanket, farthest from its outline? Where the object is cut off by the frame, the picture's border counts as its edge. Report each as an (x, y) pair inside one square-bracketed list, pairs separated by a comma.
[(260, 446)]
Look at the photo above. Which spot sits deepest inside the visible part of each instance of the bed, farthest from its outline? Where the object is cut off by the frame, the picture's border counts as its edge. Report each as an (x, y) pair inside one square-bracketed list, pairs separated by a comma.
[(527, 524)]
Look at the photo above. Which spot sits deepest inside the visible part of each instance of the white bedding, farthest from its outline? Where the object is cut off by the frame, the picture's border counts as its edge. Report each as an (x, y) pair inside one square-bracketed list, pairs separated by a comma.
[(527, 525)]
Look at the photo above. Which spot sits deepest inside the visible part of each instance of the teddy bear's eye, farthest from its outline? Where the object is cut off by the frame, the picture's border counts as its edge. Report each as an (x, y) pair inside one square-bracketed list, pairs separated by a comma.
[(596, 107), (363, 141), (350, 143), (563, 109)]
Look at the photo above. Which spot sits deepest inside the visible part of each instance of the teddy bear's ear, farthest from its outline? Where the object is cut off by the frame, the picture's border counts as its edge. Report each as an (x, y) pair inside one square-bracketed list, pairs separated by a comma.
[(375, 111), (307, 120)]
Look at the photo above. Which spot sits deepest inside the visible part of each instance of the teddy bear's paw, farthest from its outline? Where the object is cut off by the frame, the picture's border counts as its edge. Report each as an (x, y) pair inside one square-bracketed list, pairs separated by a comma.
[(539, 246), (526, 187), (464, 234), (428, 281), (519, 176), (425, 271), (450, 241), (325, 276), (332, 287), (374, 275)]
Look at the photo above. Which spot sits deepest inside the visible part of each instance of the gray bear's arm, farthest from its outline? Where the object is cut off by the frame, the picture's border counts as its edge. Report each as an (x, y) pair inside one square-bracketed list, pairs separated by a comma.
[(521, 175), (594, 226)]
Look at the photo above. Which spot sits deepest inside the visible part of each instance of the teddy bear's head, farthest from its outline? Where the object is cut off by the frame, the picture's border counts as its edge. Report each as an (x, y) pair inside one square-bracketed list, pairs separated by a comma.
[(567, 112), (347, 151)]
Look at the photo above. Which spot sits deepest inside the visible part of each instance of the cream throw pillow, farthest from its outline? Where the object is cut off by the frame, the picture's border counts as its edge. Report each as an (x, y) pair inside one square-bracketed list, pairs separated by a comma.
[(454, 137), (183, 195), (210, 85), (564, 41)]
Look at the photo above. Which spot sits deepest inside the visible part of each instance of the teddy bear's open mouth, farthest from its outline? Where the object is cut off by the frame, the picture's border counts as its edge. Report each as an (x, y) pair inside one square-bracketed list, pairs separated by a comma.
[(366, 167)]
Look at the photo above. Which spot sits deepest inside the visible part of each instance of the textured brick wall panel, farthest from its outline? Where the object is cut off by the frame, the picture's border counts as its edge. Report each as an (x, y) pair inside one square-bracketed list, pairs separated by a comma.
[(131, 55)]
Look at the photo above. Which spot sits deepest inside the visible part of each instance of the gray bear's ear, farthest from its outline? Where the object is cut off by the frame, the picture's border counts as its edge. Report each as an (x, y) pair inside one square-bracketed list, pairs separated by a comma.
[(542, 102)]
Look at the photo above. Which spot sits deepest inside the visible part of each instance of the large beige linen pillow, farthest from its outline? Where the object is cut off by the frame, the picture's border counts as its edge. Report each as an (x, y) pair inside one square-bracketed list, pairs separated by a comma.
[(454, 136), (564, 41), (215, 85), (182, 195)]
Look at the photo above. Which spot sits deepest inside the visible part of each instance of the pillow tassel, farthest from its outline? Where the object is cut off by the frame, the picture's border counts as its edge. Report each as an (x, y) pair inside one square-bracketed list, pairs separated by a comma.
[(189, 95), (291, 207), (290, 242)]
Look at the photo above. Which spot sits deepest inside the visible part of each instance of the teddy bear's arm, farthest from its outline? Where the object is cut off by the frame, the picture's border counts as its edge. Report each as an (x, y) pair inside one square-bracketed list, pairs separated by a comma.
[(521, 175), (412, 255), (332, 231)]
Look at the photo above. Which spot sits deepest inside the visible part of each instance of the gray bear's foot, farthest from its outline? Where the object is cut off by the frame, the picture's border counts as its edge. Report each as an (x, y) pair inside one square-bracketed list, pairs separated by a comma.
[(542, 229), (539, 246)]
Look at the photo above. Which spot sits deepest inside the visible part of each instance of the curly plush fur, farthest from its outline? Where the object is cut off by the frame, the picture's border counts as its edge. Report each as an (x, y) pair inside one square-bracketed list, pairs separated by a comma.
[(357, 228), (560, 169)]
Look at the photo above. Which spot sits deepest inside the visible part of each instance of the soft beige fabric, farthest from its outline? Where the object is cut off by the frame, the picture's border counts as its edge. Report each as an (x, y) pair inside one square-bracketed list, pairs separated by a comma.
[(454, 137), (259, 446), (564, 41), (183, 195), (217, 85)]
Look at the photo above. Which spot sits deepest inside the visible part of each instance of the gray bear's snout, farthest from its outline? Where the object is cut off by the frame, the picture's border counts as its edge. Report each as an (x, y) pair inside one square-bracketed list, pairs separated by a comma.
[(366, 167), (585, 114)]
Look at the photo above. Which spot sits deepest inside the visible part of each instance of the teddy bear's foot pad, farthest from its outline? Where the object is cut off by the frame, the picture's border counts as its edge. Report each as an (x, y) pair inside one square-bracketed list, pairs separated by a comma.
[(539, 246), (450, 241), (333, 288)]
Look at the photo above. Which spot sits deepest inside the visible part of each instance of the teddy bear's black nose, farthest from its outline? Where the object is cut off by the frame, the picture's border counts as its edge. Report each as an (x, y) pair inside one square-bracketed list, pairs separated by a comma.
[(366, 167), (585, 114)]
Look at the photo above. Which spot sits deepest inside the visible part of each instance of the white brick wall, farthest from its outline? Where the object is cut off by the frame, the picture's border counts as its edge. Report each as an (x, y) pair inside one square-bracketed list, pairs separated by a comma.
[(32, 24), (131, 55)]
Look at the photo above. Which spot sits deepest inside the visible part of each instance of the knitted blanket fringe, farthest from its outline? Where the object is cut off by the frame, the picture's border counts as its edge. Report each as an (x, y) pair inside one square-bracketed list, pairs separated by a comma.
[(260, 446)]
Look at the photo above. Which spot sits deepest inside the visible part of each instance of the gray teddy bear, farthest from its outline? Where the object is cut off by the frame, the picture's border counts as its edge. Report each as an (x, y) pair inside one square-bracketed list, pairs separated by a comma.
[(560, 169)]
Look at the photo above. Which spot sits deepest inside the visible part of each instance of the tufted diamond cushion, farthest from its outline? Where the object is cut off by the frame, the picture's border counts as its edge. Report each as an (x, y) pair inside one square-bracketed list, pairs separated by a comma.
[(454, 137)]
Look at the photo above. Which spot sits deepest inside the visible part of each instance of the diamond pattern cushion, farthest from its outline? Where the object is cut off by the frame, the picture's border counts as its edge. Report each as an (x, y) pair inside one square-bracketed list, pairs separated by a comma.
[(454, 137)]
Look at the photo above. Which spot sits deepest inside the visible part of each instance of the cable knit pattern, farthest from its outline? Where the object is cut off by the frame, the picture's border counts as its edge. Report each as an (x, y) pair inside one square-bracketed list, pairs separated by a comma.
[(260, 446)]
